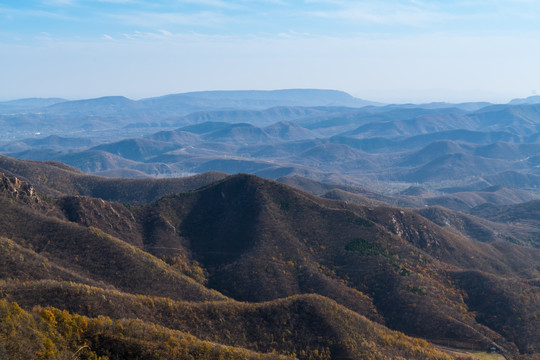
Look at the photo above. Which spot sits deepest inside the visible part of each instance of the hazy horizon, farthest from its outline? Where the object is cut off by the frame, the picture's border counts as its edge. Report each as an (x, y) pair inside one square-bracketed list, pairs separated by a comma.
[(396, 51), (397, 96)]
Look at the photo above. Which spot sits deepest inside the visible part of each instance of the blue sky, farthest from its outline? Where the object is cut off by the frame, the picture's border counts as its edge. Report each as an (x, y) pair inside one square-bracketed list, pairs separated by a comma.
[(395, 50)]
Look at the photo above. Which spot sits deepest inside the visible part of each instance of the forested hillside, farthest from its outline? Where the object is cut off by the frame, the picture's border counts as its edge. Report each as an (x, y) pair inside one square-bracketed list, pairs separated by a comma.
[(242, 267)]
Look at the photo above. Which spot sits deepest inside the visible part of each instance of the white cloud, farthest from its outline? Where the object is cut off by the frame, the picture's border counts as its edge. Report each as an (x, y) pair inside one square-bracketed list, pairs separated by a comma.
[(421, 13), (384, 13), (14, 13), (59, 2), (213, 3), (165, 32), (167, 38), (44, 36), (117, 1), (154, 20)]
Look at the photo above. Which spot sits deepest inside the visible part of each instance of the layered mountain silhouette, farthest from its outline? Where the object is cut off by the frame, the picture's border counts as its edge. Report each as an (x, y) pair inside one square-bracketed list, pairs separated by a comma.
[(105, 113), (241, 266), (322, 135)]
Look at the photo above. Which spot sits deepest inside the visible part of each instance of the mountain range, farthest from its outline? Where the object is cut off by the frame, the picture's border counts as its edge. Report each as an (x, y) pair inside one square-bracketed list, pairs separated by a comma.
[(253, 267), (287, 224), (99, 116), (324, 135)]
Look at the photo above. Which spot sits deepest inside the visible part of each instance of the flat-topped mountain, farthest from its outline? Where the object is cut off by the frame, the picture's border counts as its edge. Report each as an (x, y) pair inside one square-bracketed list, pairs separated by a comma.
[(265, 98)]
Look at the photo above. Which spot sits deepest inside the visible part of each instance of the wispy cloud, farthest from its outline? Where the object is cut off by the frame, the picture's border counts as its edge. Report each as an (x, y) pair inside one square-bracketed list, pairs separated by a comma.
[(213, 3), (268, 18), (408, 13), (399, 11), (167, 36), (59, 2), (16, 13), (117, 1), (44, 36), (154, 19)]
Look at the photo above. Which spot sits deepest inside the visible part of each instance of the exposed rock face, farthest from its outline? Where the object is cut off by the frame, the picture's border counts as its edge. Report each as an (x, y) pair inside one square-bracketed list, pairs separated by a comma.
[(114, 218), (420, 236), (14, 188)]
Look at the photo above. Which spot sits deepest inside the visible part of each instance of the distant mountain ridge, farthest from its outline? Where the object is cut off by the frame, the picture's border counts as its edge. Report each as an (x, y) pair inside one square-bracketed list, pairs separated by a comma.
[(306, 132), (184, 103), (535, 99), (28, 104), (65, 117)]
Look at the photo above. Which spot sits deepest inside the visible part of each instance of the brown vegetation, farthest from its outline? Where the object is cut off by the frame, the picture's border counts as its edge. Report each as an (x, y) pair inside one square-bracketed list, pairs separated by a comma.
[(254, 264)]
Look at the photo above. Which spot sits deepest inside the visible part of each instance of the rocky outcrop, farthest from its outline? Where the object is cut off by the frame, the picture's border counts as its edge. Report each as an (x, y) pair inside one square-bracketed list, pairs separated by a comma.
[(16, 189)]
